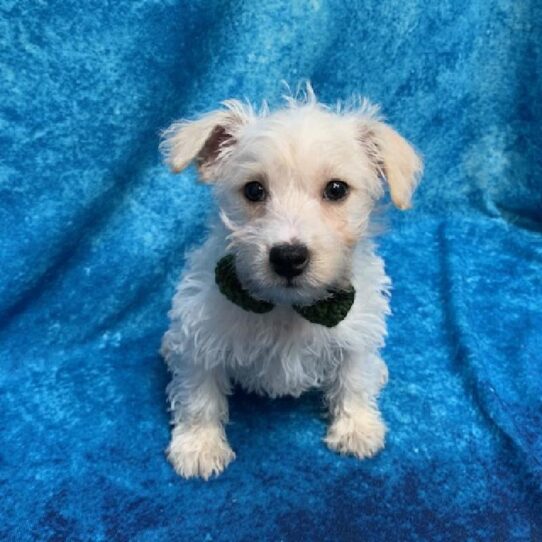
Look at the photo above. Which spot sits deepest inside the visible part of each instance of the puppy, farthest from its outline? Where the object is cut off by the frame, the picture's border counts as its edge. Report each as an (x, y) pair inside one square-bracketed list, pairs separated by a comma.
[(286, 294)]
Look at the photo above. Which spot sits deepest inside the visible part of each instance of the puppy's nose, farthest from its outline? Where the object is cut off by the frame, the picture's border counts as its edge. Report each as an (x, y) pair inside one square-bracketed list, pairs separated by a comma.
[(289, 259)]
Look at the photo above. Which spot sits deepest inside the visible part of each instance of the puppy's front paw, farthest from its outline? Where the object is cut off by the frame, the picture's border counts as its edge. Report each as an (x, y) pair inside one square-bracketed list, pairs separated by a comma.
[(360, 434), (200, 450)]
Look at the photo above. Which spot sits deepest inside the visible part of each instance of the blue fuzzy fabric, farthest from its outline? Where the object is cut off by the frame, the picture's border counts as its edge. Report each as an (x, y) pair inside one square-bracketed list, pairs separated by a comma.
[(93, 232)]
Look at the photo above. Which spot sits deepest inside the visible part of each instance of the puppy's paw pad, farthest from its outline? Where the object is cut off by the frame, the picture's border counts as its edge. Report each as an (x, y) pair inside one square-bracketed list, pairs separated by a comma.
[(199, 452), (362, 435)]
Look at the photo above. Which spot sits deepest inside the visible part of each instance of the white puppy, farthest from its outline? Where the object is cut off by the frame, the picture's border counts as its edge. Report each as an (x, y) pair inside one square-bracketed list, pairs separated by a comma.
[(302, 298)]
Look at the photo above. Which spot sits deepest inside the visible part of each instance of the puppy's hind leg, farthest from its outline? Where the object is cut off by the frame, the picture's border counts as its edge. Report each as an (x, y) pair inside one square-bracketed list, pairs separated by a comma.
[(198, 401), (357, 427)]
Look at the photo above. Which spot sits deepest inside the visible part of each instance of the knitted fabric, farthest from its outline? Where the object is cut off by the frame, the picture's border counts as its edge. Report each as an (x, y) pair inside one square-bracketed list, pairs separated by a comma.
[(331, 310), (229, 285), (326, 312)]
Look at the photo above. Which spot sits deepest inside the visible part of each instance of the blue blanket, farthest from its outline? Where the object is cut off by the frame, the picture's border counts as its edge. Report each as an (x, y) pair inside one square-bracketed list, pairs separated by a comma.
[(93, 232)]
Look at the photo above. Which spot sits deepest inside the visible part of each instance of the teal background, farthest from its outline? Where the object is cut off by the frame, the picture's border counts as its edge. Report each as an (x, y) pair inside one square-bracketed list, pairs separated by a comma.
[(93, 232)]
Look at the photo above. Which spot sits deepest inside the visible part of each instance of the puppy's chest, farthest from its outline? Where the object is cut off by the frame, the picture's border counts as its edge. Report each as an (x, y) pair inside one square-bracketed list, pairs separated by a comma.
[(289, 358)]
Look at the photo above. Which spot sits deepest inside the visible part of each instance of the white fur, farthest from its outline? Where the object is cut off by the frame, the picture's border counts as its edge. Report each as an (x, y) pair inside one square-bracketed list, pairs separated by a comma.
[(211, 342)]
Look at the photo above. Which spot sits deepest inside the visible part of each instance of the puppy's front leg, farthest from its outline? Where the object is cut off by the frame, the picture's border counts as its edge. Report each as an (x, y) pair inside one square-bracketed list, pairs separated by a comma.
[(357, 427), (198, 441)]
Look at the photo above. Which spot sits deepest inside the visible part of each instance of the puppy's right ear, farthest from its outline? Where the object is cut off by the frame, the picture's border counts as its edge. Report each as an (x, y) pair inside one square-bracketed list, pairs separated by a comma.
[(206, 140)]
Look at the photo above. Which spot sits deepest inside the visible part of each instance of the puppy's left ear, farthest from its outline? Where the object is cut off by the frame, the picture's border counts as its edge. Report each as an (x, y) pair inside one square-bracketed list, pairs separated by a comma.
[(205, 140), (395, 159)]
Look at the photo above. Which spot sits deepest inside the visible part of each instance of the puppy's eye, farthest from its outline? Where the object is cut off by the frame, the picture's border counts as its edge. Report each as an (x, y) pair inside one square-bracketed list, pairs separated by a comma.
[(335, 190), (254, 191)]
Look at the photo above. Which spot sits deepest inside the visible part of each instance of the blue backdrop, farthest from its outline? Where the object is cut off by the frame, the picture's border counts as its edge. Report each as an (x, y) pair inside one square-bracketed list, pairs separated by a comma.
[(93, 232)]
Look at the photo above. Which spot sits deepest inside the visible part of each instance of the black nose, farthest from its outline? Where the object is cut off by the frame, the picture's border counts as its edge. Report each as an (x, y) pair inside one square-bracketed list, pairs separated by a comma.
[(289, 260)]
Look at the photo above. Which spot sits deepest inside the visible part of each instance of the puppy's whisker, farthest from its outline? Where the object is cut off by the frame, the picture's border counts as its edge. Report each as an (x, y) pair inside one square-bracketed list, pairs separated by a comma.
[(244, 238), (230, 225)]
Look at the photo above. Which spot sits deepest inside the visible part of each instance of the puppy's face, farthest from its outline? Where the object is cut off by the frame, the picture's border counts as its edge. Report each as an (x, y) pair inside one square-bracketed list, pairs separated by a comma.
[(296, 189), (296, 192)]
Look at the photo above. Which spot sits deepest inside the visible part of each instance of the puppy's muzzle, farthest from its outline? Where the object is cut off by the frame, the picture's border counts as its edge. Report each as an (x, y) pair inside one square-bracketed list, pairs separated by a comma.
[(289, 260)]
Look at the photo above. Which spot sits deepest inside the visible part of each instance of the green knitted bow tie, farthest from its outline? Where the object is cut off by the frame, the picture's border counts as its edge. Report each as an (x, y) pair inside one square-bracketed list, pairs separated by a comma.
[(327, 312)]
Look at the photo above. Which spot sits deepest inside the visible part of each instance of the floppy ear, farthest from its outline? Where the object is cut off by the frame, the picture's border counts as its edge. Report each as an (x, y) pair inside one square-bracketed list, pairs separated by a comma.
[(396, 160), (205, 140)]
